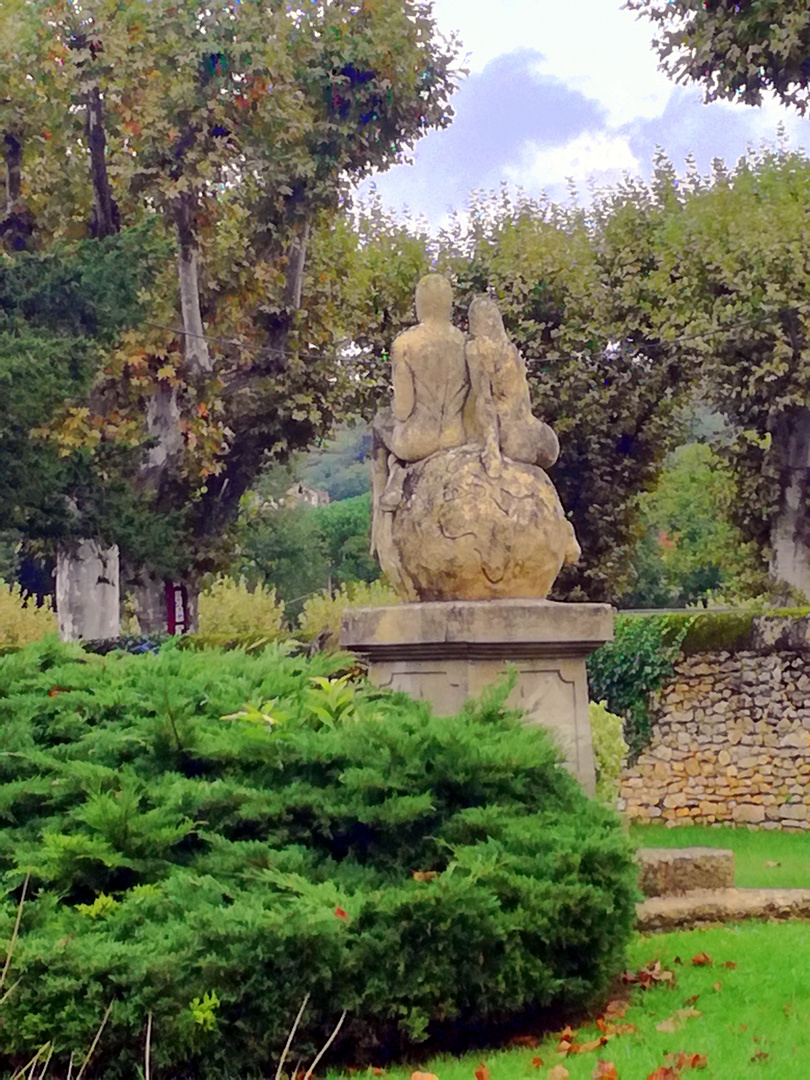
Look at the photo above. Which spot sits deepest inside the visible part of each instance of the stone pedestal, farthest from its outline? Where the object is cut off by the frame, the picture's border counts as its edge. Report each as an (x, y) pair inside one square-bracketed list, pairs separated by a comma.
[(446, 652)]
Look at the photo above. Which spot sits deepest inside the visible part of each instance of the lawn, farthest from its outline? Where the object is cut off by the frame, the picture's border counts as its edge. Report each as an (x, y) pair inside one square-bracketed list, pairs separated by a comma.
[(755, 851), (752, 1019)]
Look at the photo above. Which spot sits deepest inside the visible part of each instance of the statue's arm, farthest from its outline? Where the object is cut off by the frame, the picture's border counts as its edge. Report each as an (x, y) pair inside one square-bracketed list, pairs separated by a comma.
[(404, 390)]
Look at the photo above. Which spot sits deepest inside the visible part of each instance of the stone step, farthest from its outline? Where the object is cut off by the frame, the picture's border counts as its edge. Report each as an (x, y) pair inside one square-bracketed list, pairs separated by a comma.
[(701, 906), (672, 871)]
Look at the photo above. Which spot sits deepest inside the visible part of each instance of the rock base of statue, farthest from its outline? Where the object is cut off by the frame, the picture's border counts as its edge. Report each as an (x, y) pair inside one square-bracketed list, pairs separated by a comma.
[(448, 652), (463, 531)]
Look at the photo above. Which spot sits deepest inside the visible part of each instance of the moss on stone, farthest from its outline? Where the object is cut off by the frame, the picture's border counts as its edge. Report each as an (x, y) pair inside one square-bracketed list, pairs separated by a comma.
[(721, 631)]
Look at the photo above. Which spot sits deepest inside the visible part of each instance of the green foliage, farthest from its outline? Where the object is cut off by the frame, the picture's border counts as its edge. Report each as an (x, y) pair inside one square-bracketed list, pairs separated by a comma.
[(609, 750), (58, 312), (320, 618), (414, 871), (341, 465), (624, 672), (738, 51), (230, 607), (691, 552), (301, 549), (21, 622)]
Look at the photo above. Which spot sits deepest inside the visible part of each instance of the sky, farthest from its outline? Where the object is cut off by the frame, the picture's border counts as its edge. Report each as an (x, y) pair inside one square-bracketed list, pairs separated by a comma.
[(559, 89)]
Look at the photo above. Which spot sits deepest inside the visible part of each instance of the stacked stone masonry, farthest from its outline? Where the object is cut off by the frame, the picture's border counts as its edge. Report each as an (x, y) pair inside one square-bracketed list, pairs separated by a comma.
[(730, 743)]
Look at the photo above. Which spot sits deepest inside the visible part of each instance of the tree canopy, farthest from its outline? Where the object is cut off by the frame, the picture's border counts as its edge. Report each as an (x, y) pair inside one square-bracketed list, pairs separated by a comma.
[(240, 129), (739, 51)]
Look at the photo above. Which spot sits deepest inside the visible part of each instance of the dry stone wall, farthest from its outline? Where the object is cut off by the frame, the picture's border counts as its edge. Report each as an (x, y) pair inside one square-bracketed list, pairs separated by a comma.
[(730, 742)]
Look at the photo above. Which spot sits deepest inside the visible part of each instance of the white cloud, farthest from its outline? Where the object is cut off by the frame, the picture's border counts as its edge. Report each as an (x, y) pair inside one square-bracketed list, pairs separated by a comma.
[(592, 154), (592, 45)]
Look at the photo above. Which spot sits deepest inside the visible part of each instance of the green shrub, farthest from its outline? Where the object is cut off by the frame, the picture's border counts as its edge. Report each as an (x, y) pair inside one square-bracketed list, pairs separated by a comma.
[(321, 616), (230, 607), (211, 836), (609, 750), (21, 624), (624, 672)]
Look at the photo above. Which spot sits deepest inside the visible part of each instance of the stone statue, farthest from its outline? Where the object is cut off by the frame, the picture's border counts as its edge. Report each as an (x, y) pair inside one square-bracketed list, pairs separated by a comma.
[(503, 411), (431, 386), (461, 506)]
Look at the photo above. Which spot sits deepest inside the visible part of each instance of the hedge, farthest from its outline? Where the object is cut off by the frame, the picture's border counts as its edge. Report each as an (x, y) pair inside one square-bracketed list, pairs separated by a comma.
[(211, 836)]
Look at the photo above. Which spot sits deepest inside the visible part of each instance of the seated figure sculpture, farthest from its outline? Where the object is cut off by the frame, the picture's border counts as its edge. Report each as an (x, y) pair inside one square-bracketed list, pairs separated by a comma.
[(431, 385), (461, 505), (503, 411)]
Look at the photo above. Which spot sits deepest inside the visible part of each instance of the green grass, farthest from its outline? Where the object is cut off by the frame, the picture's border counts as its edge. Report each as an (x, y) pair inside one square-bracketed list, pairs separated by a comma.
[(752, 850), (761, 1007)]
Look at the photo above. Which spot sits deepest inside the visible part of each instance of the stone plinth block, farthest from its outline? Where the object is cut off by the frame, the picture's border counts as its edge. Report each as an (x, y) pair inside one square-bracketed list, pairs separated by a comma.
[(446, 652), (667, 872)]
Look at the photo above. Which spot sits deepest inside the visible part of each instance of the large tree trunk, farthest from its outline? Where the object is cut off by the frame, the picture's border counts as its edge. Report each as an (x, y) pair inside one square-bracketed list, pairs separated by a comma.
[(790, 533), (17, 222), (105, 212), (196, 356), (12, 154), (87, 591)]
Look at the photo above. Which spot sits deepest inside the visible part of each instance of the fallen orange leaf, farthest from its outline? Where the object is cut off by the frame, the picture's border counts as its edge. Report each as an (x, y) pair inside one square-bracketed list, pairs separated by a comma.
[(730, 965), (702, 960), (537, 1062), (593, 1044), (482, 1072), (341, 914), (424, 1076), (604, 1070), (559, 1072), (663, 1072), (717, 986)]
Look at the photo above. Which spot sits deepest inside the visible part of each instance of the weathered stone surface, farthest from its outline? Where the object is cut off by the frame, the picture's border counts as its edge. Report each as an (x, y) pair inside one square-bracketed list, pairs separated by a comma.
[(754, 754), (461, 506), (447, 652), (721, 905), (749, 813), (665, 871), (462, 534)]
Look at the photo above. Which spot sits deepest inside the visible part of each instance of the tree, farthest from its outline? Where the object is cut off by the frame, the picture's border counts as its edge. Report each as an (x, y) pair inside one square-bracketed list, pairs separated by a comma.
[(690, 551), (242, 127), (740, 52)]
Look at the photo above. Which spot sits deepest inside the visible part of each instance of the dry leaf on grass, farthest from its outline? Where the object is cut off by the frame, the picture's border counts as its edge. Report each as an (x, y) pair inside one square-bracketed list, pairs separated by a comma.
[(676, 1021), (730, 965), (482, 1072), (682, 1060), (650, 975), (537, 1062), (702, 960), (604, 1070), (423, 1076), (770, 864), (559, 1072)]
